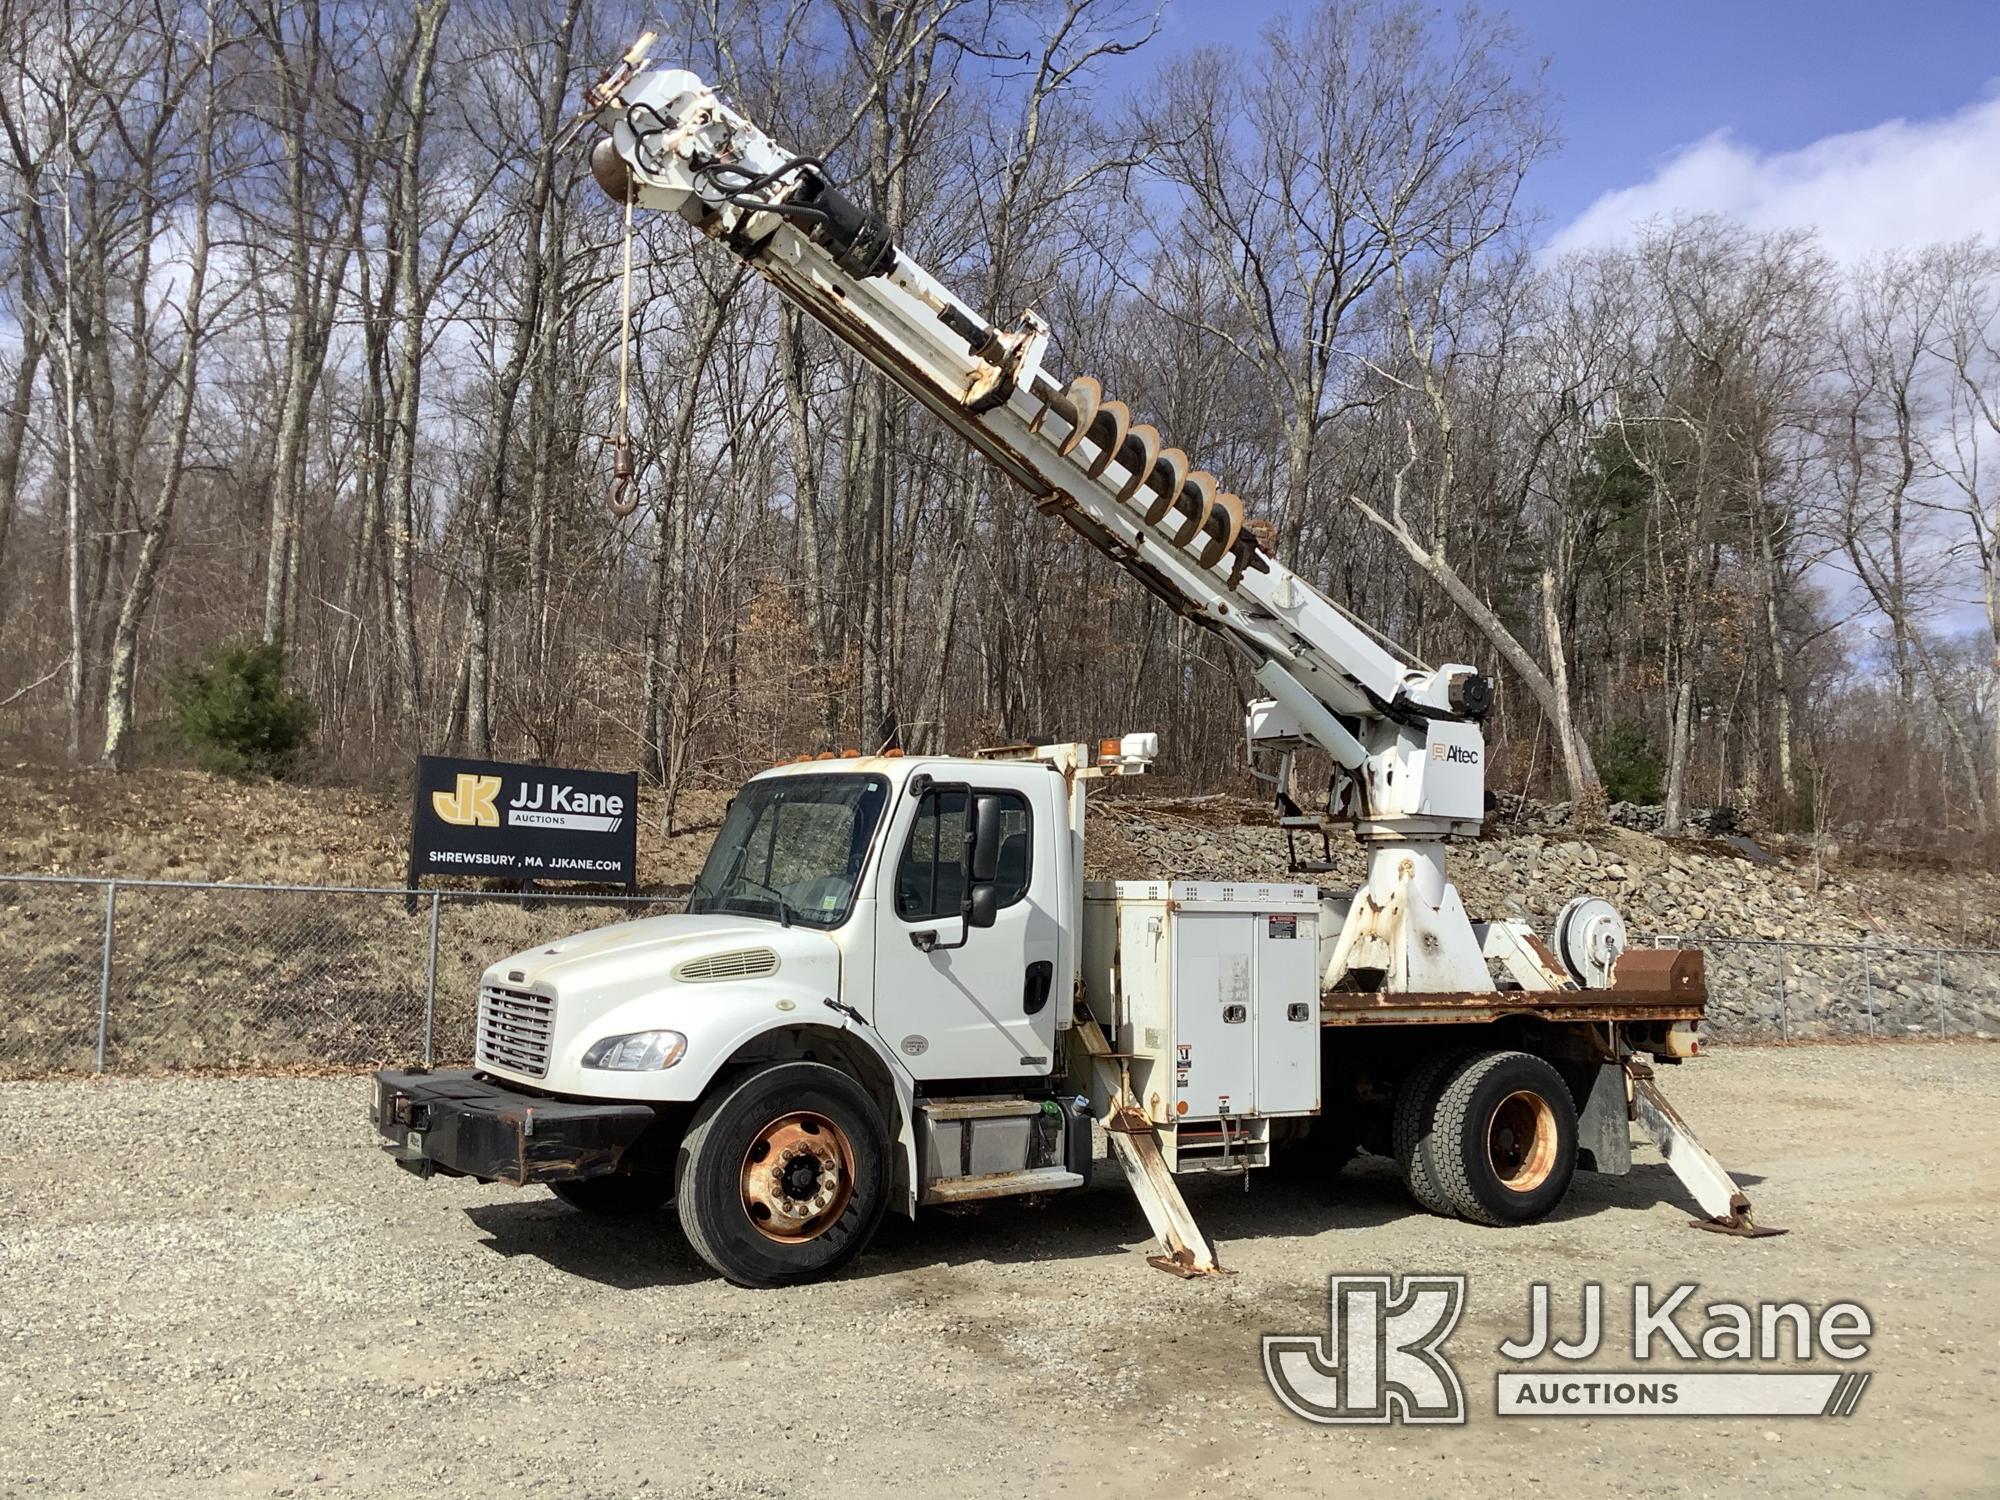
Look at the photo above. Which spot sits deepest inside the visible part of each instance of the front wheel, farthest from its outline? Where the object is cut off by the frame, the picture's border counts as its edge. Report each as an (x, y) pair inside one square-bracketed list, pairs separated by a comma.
[(784, 1175)]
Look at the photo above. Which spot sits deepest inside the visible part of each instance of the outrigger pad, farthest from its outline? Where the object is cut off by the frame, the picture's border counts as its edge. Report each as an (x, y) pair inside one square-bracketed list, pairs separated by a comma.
[(1738, 1222)]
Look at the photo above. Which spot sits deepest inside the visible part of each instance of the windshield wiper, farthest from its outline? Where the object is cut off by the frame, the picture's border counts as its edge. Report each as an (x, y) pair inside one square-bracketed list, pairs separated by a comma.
[(784, 906)]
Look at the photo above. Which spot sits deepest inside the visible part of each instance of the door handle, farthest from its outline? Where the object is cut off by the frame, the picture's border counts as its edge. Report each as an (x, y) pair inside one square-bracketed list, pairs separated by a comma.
[(1035, 988)]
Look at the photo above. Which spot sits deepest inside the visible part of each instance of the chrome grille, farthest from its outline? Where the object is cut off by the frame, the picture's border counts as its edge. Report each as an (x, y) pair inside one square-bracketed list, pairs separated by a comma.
[(515, 1029)]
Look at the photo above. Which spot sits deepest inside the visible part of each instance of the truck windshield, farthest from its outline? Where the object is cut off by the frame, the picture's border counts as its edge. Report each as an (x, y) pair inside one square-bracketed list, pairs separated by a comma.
[(791, 849)]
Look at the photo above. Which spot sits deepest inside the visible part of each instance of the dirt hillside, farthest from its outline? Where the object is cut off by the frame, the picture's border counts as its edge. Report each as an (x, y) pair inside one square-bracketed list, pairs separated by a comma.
[(1740, 902), (188, 825)]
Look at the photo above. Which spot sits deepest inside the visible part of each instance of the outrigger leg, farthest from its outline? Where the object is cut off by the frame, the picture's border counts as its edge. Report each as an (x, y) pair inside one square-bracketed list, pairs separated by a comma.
[(1727, 1207), (1184, 1249)]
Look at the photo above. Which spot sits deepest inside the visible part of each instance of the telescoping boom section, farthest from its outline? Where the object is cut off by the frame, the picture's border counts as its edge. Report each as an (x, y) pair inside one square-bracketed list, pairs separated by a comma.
[(1404, 738)]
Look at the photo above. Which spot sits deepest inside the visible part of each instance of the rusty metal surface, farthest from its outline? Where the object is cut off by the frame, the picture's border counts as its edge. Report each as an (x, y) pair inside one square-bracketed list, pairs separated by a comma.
[(1648, 984), (1738, 1222), (1136, 1149), (797, 1177), (946, 1191), (454, 1121), (1661, 973), (1376, 1008), (1545, 957)]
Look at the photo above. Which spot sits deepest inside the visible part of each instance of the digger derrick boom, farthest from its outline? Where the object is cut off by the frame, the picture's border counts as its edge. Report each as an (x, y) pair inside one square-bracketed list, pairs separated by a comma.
[(1404, 737)]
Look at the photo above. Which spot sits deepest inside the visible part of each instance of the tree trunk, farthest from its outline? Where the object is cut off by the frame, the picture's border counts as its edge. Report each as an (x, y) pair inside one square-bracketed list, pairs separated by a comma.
[(1680, 744), (1584, 786), (1586, 792), (409, 380), (14, 432), (158, 527), (479, 611)]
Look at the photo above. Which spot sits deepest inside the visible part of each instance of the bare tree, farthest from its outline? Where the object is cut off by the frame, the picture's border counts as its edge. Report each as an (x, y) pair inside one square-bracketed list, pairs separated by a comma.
[(184, 70)]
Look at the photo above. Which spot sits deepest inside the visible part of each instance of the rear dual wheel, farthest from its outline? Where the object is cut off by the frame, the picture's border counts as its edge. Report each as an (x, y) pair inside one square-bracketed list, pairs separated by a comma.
[(1487, 1136)]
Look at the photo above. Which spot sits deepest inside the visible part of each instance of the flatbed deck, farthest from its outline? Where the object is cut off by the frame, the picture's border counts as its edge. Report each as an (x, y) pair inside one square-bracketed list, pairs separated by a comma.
[(1651, 984)]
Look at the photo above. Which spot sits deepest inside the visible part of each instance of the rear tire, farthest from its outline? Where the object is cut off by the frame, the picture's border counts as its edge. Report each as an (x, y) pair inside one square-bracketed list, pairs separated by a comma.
[(784, 1175), (1416, 1100), (1502, 1141), (616, 1196)]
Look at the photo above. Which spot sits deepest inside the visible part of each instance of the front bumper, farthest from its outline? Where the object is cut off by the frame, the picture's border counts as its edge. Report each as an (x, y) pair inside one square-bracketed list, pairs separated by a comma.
[(463, 1125)]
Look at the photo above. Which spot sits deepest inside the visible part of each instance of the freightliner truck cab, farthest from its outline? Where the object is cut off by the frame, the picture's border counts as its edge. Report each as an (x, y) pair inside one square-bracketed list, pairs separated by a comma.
[(859, 1009)]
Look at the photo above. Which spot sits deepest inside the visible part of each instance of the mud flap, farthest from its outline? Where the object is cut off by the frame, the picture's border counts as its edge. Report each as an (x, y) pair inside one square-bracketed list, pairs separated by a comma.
[(1603, 1125)]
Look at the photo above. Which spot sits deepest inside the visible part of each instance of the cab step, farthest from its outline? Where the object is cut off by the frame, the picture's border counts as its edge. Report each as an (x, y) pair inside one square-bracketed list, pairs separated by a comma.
[(1001, 1185), (988, 1147)]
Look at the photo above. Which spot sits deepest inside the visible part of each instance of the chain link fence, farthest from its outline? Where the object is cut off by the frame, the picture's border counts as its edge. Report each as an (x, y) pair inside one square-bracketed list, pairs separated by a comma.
[(153, 976), (1782, 989)]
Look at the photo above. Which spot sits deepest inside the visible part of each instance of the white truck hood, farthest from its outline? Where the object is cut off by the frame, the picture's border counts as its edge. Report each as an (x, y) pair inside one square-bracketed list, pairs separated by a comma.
[(716, 978), (648, 949)]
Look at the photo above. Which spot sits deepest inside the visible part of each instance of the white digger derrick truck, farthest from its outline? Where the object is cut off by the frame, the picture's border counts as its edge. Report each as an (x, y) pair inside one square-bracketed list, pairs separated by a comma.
[(893, 987)]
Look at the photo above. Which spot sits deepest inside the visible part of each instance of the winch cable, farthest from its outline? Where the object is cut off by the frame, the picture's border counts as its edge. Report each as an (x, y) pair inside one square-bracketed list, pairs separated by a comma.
[(621, 501)]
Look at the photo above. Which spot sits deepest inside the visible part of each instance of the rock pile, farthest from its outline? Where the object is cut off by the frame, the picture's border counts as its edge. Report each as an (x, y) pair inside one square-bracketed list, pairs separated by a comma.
[(1515, 812)]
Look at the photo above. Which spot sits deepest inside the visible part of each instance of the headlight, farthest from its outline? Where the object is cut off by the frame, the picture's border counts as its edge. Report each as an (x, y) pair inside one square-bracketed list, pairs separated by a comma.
[(638, 1052)]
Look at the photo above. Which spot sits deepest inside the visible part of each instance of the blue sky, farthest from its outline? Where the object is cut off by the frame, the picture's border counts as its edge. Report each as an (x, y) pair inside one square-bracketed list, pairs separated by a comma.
[(1772, 109)]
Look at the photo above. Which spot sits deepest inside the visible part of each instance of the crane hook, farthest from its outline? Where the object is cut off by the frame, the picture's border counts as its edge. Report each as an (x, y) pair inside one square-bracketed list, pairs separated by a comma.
[(620, 499)]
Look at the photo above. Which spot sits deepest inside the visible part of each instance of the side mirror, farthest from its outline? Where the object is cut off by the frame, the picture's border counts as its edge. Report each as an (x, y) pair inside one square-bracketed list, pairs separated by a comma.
[(982, 904), (982, 862), (983, 858), (979, 868)]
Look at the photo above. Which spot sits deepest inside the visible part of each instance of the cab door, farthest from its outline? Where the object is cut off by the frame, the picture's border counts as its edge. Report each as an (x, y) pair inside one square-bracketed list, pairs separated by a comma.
[(962, 1002)]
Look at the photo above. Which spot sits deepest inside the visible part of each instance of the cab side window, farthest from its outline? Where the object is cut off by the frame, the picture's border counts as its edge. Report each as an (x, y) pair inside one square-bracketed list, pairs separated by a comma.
[(930, 879)]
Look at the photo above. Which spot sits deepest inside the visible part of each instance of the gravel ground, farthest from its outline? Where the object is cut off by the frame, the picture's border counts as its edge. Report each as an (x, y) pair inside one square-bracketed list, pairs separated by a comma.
[(221, 1288)]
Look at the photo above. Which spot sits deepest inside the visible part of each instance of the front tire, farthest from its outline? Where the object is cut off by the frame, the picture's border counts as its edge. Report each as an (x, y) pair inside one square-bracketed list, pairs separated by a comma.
[(1501, 1145), (784, 1175)]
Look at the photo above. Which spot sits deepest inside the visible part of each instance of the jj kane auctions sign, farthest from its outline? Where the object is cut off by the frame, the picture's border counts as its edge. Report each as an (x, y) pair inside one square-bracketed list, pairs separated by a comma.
[(483, 817)]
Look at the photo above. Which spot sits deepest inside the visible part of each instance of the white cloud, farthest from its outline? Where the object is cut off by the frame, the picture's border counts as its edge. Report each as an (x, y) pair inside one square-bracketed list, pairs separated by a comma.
[(1897, 184)]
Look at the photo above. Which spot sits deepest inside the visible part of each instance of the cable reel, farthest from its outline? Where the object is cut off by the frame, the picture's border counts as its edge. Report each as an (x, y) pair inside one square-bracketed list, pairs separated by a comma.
[(1589, 936)]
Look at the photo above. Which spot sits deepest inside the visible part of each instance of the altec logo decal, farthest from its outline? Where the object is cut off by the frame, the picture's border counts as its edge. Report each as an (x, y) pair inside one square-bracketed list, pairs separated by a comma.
[(1455, 755), (1383, 1359), (471, 805)]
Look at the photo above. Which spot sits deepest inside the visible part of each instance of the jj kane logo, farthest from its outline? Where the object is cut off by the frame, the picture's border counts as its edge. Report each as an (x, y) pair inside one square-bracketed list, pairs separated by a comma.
[(1382, 1358), (470, 804)]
